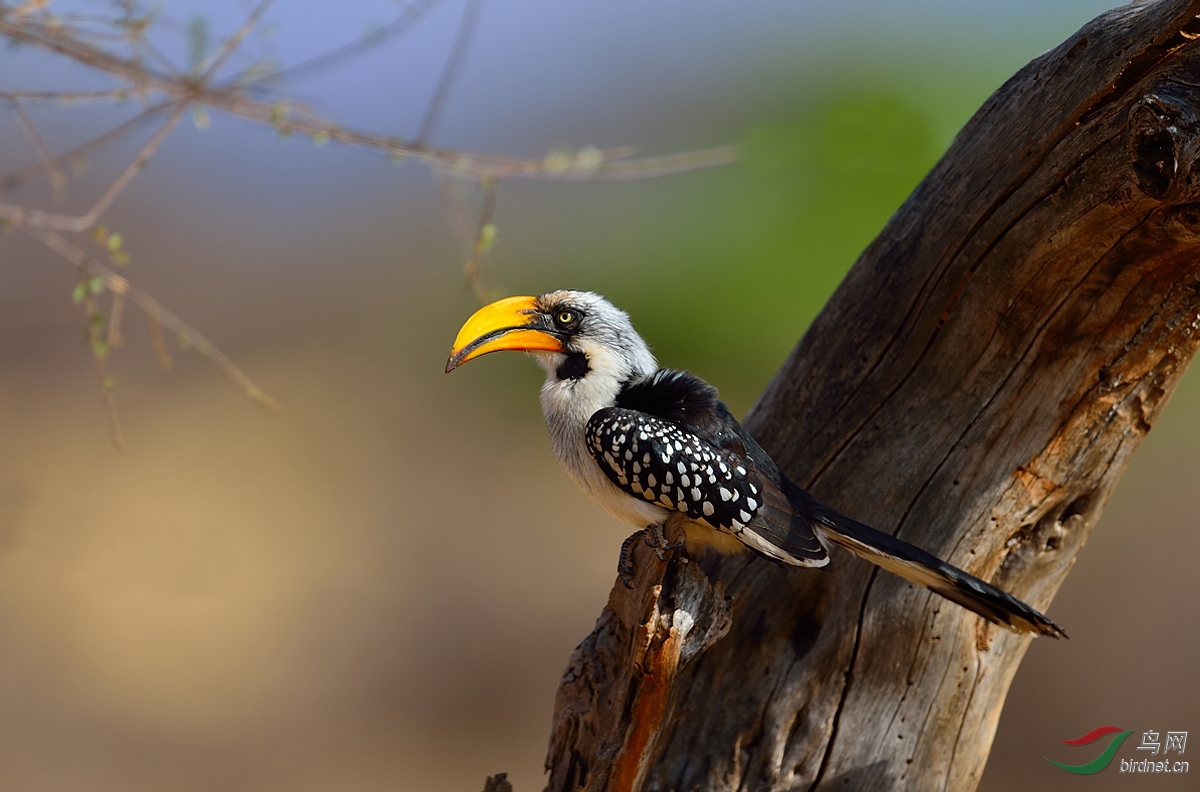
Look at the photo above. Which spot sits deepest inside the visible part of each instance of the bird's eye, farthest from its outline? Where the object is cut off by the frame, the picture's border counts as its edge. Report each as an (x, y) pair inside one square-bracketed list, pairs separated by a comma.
[(565, 318)]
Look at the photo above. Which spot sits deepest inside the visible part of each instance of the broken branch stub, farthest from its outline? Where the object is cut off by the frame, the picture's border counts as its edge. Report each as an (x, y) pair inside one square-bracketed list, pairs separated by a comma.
[(617, 695)]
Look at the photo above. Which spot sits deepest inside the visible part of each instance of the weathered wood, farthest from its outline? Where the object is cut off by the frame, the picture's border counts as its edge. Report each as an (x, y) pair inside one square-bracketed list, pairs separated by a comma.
[(976, 386), (618, 694)]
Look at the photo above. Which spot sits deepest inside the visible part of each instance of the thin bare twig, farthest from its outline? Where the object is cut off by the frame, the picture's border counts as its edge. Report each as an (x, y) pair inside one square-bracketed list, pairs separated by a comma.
[(264, 40), (462, 220), (218, 58), (143, 44), (665, 165), (485, 237), (14, 180), (334, 57), (114, 320), (476, 234), (157, 342), (69, 97), (188, 334), (122, 181), (29, 7), (100, 359), (58, 222), (45, 157), (458, 55), (590, 164)]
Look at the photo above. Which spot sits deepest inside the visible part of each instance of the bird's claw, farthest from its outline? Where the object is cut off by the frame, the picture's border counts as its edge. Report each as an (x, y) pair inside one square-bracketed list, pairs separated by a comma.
[(625, 568), (656, 539)]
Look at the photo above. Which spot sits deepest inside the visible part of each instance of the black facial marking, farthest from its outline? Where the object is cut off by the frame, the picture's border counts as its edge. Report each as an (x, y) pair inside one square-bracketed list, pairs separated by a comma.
[(561, 318), (574, 367)]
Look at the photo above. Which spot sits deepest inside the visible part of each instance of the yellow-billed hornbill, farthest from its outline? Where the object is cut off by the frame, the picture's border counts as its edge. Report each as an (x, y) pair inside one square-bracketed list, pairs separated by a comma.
[(655, 446)]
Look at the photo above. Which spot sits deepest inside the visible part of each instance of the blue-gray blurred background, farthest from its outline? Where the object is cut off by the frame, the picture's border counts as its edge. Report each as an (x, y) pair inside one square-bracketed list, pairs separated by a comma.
[(378, 587)]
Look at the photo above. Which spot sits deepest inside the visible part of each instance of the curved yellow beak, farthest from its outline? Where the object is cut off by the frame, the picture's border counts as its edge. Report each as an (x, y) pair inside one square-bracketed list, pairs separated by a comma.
[(511, 323)]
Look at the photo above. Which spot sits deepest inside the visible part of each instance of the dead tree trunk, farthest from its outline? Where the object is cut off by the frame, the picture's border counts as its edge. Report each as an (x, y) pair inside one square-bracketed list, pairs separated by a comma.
[(977, 385)]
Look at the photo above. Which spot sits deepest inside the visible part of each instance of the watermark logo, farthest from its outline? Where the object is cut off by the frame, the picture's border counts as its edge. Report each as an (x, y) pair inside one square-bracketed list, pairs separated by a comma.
[(1101, 761), (1172, 741)]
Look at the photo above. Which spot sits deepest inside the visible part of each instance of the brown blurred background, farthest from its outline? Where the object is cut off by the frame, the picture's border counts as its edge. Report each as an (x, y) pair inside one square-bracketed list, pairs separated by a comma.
[(378, 587)]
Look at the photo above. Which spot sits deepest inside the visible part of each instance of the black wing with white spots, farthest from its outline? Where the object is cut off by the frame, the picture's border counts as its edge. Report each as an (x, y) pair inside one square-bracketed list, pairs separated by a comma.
[(656, 460), (665, 464), (671, 441)]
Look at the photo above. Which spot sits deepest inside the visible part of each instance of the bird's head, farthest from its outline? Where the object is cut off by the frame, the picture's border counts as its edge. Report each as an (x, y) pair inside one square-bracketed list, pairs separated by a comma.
[(574, 335)]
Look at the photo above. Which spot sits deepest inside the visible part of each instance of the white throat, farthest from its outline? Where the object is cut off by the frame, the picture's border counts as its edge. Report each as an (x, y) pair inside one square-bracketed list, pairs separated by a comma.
[(567, 404)]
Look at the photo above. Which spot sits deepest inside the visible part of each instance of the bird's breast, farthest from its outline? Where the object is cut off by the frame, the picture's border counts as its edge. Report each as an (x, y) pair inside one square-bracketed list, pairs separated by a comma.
[(621, 505), (571, 450)]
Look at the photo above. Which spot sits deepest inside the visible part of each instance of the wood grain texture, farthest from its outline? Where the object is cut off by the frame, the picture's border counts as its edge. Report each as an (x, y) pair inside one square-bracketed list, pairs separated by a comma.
[(618, 694), (976, 386)]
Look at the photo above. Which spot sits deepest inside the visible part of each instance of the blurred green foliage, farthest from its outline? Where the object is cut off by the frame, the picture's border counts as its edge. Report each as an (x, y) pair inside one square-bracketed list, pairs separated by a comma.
[(724, 270), (814, 192)]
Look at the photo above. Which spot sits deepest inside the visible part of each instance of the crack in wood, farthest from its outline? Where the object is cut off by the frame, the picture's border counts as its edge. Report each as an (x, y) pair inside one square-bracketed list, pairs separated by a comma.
[(849, 678)]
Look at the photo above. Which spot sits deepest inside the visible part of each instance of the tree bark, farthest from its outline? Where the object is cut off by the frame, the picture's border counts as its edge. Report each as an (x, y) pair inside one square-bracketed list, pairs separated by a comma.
[(976, 386)]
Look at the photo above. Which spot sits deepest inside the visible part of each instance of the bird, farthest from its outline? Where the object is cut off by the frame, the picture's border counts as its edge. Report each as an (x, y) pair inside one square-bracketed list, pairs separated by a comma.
[(657, 448)]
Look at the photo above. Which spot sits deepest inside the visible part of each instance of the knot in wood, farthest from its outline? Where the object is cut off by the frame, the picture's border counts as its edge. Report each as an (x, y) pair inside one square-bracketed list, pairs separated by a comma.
[(1164, 140)]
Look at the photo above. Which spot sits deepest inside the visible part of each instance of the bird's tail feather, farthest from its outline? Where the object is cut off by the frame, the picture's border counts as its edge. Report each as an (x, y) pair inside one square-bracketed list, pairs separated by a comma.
[(781, 533), (915, 565)]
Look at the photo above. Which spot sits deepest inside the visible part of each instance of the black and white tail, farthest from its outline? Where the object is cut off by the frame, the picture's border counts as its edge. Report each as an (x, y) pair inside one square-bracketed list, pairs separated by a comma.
[(915, 565)]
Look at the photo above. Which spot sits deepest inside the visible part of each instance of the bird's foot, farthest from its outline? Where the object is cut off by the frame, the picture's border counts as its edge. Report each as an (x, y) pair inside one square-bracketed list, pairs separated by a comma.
[(655, 537), (625, 568), (657, 540)]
